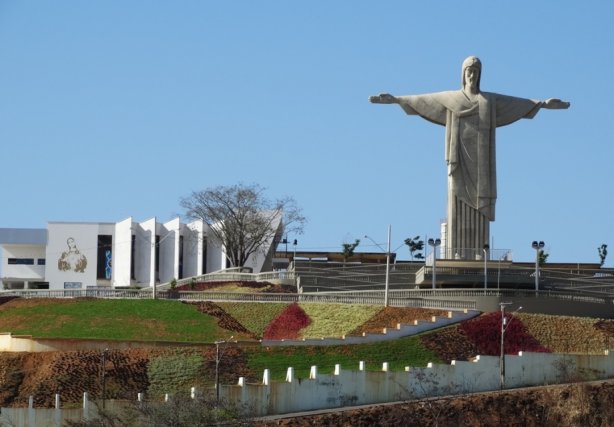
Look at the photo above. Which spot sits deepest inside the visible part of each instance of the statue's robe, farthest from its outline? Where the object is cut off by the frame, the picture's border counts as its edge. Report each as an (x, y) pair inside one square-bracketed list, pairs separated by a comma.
[(470, 155)]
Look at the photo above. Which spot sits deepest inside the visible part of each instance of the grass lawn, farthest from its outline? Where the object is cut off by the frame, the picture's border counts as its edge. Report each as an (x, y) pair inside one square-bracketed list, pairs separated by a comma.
[(399, 353), (109, 319)]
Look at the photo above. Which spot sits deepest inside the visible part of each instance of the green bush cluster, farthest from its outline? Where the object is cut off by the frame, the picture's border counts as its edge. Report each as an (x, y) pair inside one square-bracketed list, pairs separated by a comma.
[(176, 372)]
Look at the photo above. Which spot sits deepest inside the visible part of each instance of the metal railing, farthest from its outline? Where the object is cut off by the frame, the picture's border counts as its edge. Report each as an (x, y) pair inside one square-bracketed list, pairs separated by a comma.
[(234, 276), (397, 299)]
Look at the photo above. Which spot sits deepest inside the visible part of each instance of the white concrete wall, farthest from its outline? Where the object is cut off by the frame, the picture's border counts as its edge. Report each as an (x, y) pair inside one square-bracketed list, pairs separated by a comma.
[(193, 238), (19, 271), (257, 260), (82, 258), (122, 247), (350, 387), (169, 250), (145, 239), (216, 259)]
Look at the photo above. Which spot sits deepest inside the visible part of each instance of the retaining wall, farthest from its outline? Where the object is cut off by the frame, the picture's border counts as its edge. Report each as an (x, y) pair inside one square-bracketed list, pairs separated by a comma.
[(361, 387)]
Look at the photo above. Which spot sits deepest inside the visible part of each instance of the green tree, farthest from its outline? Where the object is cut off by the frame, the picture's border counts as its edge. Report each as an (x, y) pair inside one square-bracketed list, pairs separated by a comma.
[(415, 245), (542, 257), (348, 249), (603, 253), (242, 218)]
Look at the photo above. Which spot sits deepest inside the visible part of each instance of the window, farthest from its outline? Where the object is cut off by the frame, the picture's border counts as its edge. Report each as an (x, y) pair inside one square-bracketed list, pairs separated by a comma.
[(104, 267), (41, 261), (180, 257), (21, 261)]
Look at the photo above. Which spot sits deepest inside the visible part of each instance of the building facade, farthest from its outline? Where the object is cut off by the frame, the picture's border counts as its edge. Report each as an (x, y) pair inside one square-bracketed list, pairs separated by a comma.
[(82, 255)]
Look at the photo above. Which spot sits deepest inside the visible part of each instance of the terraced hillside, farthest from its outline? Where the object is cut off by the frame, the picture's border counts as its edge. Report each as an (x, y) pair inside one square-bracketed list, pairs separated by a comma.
[(170, 369)]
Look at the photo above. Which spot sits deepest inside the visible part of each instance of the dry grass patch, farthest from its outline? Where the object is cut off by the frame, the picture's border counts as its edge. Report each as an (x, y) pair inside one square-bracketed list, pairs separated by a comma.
[(335, 320), (566, 334)]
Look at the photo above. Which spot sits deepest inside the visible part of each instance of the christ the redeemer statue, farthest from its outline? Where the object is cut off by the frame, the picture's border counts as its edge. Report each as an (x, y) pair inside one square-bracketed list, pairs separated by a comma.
[(471, 118)]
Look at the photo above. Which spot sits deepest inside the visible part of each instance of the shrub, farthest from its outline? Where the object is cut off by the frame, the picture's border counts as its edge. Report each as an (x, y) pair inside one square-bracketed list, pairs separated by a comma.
[(288, 324), (485, 333)]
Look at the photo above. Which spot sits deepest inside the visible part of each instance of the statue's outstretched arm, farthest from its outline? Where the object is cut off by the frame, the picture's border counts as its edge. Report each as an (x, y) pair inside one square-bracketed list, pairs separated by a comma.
[(555, 104), (384, 98)]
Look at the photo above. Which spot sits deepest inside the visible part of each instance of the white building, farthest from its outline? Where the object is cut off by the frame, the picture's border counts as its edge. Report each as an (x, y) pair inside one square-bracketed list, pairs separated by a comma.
[(81, 255)]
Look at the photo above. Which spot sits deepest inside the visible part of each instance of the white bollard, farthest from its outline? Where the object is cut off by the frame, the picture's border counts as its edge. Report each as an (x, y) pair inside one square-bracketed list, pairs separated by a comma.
[(86, 406), (313, 372), (290, 375), (31, 413), (58, 411)]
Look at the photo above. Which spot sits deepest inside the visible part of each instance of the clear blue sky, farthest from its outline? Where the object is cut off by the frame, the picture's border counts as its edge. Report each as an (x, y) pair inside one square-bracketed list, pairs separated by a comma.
[(110, 109)]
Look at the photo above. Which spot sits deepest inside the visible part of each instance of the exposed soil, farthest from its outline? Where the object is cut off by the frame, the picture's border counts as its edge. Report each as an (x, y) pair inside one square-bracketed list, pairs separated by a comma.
[(41, 375), (560, 406), (225, 320), (449, 344), (606, 326)]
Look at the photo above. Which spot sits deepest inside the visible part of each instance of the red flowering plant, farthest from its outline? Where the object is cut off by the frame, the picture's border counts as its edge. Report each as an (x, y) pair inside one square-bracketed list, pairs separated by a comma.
[(485, 333), (287, 324)]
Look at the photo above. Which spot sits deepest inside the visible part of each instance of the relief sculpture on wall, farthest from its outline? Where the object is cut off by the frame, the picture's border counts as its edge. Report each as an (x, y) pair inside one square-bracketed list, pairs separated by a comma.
[(72, 259)]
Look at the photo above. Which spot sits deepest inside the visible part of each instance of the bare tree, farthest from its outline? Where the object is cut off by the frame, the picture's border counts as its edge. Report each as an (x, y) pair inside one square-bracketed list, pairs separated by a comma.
[(242, 218)]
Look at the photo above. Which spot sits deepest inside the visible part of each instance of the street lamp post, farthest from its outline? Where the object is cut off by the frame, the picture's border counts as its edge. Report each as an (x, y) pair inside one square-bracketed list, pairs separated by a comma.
[(104, 376), (538, 246), (434, 243), (485, 249), (387, 280), (218, 358), (504, 326), (499, 274)]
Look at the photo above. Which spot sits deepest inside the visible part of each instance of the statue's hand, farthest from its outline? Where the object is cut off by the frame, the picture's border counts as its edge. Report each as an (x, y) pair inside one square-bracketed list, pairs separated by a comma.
[(556, 104), (383, 98)]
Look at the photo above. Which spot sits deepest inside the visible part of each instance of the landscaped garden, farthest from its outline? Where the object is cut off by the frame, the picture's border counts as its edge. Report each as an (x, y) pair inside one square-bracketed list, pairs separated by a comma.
[(203, 323)]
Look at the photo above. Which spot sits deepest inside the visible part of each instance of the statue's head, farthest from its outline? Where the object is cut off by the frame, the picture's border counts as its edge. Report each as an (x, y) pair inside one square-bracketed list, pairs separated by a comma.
[(475, 64)]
